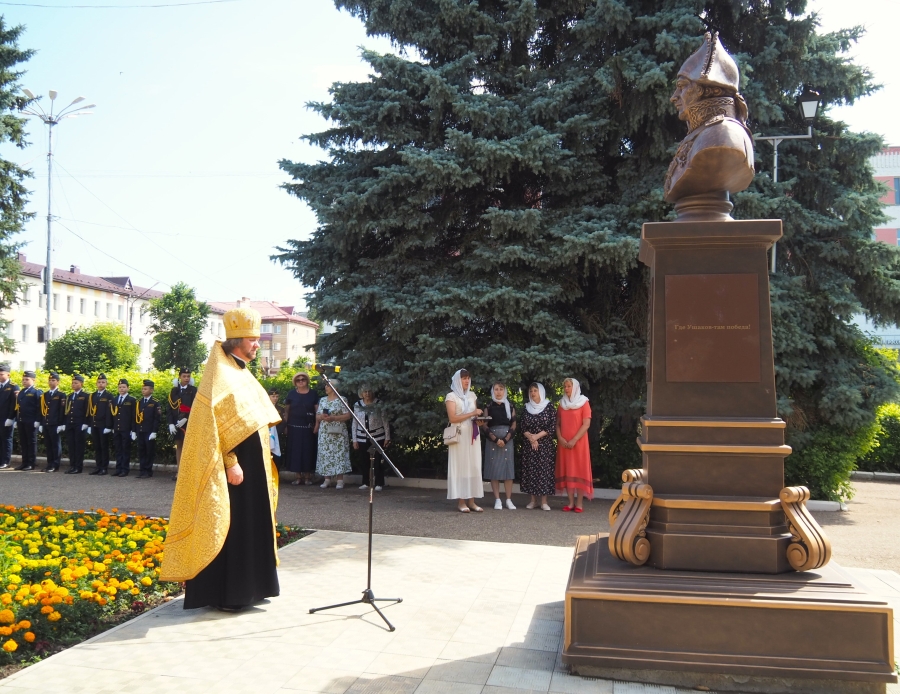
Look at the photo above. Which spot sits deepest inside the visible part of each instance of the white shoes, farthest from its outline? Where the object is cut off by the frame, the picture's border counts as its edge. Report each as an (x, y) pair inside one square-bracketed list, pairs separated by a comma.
[(498, 505), (364, 486), (531, 505), (510, 505), (339, 485), (377, 488), (325, 484), (545, 507)]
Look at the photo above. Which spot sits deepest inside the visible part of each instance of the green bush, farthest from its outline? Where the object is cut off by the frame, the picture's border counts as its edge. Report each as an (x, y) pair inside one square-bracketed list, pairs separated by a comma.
[(92, 348), (615, 451), (824, 458), (885, 454)]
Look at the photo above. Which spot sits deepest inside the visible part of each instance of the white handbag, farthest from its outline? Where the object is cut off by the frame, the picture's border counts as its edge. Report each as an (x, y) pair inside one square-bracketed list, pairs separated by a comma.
[(451, 434)]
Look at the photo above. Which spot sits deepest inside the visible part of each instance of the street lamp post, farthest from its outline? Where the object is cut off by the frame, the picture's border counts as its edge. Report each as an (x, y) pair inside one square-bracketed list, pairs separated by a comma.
[(33, 108), (809, 108)]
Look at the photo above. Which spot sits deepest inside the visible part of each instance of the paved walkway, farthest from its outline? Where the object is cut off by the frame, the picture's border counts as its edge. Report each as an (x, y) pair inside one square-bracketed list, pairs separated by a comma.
[(476, 618), (865, 536)]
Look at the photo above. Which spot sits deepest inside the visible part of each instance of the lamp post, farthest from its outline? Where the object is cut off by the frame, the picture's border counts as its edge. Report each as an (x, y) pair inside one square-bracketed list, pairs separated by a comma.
[(809, 102), (33, 108)]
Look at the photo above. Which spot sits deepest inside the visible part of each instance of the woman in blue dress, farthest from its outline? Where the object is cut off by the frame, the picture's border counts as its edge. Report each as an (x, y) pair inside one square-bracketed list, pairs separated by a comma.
[(300, 417)]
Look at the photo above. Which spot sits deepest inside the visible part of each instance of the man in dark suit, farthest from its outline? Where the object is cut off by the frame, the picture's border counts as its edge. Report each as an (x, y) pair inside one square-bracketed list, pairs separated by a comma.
[(76, 424), (122, 411), (28, 419), (100, 428), (8, 394), (181, 398), (53, 409), (147, 420)]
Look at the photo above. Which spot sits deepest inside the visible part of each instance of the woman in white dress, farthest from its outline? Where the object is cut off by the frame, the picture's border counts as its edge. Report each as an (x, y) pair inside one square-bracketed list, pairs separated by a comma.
[(464, 457)]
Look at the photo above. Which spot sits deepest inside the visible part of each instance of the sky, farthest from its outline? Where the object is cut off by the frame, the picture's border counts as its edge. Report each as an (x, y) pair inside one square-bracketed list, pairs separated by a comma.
[(175, 175)]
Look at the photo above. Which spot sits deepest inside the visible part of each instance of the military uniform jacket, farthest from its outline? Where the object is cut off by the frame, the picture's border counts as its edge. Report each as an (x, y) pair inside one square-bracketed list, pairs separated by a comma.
[(180, 402), (53, 408), (77, 409), (99, 413), (122, 415), (29, 405), (8, 394), (147, 416)]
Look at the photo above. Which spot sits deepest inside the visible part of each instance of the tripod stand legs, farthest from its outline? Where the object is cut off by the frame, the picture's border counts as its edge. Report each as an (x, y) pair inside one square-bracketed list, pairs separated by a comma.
[(368, 598)]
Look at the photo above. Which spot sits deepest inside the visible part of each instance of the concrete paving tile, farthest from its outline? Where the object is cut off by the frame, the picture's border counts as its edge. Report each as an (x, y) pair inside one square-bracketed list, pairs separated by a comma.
[(460, 671), (400, 664), (486, 633), (536, 626), (519, 678), (491, 689), (315, 679), (412, 645), (162, 684), (472, 652), (537, 642), (564, 683), (441, 687), (381, 684), (527, 658), (336, 657)]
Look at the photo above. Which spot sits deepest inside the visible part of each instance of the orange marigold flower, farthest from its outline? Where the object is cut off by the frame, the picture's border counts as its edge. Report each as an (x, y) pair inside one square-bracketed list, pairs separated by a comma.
[(5, 631), (28, 636), (10, 646), (7, 617), (54, 616), (24, 624), (46, 609)]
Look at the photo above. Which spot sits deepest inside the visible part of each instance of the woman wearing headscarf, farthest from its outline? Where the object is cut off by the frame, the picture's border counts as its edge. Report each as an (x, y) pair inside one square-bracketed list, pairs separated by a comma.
[(573, 455), (539, 451), (464, 457), (333, 456), (499, 432)]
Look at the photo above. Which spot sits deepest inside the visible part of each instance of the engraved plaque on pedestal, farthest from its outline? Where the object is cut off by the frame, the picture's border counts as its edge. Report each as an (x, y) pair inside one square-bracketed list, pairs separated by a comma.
[(712, 328)]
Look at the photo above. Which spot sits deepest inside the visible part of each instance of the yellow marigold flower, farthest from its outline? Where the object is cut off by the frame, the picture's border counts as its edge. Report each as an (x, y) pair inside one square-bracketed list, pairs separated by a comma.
[(10, 646), (54, 616), (24, 624), (46, 609), (5, 599), (5, 631), (7, 617), (146, 580), (15, 579), (28, 636), (135, 591)]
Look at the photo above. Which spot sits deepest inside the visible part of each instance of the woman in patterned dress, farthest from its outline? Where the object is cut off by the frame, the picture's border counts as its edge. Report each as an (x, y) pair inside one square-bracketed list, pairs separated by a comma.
[(539, 451), (333, 459)]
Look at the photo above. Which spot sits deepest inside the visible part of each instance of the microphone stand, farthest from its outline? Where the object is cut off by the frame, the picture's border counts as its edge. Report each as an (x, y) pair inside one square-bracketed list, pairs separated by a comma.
[(368, 597)]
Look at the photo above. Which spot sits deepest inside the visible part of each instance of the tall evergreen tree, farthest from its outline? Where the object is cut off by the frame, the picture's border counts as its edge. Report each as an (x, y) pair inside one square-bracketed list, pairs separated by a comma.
[(13, 193), (178, 323), (485, 190)]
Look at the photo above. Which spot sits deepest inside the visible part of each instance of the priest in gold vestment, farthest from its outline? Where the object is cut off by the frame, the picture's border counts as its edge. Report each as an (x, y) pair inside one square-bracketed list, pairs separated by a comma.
[(221, 539)]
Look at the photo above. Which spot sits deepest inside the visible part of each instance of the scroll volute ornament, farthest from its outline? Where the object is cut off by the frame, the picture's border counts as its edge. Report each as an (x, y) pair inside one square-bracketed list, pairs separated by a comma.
[(809, 548), (629, 516)]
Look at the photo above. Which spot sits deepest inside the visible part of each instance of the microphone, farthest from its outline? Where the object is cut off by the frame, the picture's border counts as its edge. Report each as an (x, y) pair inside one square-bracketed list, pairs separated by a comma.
[(327, 367)]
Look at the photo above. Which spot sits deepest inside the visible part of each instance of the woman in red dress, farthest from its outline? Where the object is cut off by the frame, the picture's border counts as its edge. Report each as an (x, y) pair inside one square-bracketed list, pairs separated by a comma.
[(573, 455)]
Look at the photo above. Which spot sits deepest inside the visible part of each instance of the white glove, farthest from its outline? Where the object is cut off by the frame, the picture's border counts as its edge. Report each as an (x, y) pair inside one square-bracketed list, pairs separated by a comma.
[(89, 429), (134, 436), (40, 428), (9, 422), (172, 429), (60, 429), (152, 436), (181, 422), (84, 427), (107, 431)]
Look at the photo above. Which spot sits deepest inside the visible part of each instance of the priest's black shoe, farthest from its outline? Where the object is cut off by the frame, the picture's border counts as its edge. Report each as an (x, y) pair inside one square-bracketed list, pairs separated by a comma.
[(49, 469), (143, 476), (123, 474), (71, 471), (25, 468)]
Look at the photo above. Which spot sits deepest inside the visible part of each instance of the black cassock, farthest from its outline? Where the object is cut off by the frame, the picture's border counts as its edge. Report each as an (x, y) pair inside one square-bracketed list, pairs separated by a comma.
[(243, 573)]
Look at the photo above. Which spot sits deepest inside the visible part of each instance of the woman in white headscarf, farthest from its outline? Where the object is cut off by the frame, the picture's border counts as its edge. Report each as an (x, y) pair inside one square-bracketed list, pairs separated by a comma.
[(573, 455), (539, 451), (499, 432), (464, 457)]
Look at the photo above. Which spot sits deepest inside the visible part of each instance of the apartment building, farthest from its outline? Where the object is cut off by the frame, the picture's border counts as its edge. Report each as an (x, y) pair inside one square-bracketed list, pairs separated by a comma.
[(887, 170), (286, 334)]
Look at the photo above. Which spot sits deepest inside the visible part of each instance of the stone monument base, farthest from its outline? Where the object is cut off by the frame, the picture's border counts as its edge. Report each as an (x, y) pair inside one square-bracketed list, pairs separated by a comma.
[(813, 631)]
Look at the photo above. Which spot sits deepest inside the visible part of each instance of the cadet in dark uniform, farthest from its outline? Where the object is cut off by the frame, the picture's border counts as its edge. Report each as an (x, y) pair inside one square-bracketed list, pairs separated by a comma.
[(180, 401), (76, 424), (147, 420), (100, 427), (8, 393), (53, 409), (28, 417), (122, 411)]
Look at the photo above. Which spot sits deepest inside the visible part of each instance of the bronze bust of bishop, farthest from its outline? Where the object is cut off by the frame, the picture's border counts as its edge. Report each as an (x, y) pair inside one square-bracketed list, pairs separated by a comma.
[(716, 157)]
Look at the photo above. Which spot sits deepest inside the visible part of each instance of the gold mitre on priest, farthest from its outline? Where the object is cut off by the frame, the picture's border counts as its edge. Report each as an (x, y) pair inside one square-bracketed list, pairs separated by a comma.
[(242, 322)]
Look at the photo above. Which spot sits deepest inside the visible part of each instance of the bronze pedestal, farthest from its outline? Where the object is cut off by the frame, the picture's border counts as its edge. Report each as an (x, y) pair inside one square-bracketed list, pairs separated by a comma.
[(712, 567)]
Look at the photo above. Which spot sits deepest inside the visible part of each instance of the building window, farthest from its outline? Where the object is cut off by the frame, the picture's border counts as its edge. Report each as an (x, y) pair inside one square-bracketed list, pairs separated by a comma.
[(266, 328), (277, 347), (142, 316), (26, 296), (38, 365), (24, 333), (41, 299), (56, 302), (55, 333), (121, 312), (897, 191), (82, 306), (69, 304), (97, 308), (109, 310), (278, 330), (22, 366), (141, 343)]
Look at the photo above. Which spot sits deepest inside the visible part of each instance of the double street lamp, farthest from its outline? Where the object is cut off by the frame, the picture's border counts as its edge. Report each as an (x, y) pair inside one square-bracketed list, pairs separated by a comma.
[(809, 102), (51, 118)]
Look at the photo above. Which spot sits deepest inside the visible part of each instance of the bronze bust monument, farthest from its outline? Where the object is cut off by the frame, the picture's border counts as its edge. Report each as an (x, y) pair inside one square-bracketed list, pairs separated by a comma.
[(716, 157)]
